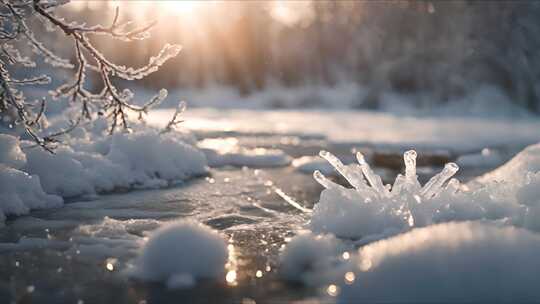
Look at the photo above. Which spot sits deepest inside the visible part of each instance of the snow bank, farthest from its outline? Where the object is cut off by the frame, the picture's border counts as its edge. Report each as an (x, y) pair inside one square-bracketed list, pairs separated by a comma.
[(89, 160), (369, 211), (308, 255), (450, 263), (19, 191), (222, 152), (517, 181), (179, 251), (515, 170), (143, 159)]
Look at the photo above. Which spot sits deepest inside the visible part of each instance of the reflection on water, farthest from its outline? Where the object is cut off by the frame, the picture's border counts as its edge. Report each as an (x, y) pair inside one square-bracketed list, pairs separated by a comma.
[(231, 266)]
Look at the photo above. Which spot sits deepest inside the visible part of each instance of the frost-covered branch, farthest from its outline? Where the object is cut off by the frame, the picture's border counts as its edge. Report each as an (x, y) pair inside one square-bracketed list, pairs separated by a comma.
[(113, 103)]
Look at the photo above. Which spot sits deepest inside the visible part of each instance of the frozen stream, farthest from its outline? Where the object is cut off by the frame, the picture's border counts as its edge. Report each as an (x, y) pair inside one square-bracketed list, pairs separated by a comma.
[(79, 253)]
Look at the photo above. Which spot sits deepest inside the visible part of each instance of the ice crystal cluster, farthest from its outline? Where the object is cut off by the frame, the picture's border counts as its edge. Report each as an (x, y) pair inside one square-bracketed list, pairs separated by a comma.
[(372, 210)]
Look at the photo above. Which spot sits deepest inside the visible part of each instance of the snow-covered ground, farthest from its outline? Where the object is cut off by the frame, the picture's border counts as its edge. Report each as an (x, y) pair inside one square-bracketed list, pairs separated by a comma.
[(486, 101), (380, 129)]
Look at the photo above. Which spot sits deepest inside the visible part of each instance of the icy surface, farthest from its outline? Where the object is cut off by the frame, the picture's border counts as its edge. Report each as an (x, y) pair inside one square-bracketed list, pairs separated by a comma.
[(451, 263), (458, 134), (227, 152), (180, 250), (484, 158), (84, 248)]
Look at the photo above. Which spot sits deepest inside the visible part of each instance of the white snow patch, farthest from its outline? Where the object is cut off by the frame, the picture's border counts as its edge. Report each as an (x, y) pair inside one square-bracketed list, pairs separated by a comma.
[(20, 193), (308, 255), (143, 159), (514, 170), (181, 249), (450, 263)]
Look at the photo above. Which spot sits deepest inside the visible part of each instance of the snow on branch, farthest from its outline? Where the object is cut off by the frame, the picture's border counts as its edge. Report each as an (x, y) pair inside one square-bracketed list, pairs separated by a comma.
[(112, 102)]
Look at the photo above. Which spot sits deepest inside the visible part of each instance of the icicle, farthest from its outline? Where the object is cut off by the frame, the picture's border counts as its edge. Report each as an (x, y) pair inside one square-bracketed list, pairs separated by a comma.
[(452, 186), (434, 185), (351, 173), (410, 164), (398, 184), (373, 179), (411, 179), (321, 179)]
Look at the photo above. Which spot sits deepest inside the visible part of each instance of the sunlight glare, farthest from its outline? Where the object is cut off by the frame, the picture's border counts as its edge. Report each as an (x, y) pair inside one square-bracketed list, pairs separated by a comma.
[(179, 7)]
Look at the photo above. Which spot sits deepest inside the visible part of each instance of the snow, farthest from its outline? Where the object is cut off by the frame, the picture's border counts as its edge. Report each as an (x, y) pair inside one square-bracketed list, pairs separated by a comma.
[(307, 255), (517, 181), (451, 263), (308, 164), (485, 101), (89, 161), (515, 170), (20, 192), (142, 159), (227, 152), (179, 251)]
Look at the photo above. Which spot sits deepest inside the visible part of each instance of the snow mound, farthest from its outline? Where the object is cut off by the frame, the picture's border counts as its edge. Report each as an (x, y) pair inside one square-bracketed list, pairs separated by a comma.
[(518, 181), (90, 161), (307, 255), (181, 250), (527, 160), (368, 211), (226, 152), (20, 193), (451, 263), (308, 164)]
